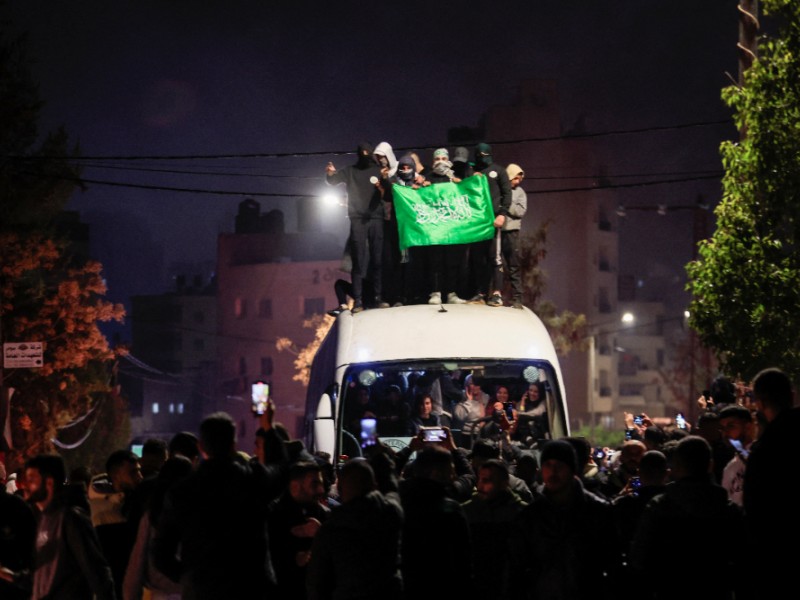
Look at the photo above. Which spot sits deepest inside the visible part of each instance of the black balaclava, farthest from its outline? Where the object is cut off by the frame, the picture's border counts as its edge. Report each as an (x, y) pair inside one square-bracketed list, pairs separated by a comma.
[(483, 156), (406, 176), (364, 156)]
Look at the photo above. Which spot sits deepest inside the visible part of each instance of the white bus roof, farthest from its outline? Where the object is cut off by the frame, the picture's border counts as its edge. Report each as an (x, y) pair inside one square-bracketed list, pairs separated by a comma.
[(422, 332)]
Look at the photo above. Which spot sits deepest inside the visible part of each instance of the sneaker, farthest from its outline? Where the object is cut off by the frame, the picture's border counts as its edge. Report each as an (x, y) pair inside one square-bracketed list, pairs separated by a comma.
[(397, 304), (382, 304), (477, 299), (335, 312), (436, 298), (358, 307), (452, 298), (517, 304), (495, 300)]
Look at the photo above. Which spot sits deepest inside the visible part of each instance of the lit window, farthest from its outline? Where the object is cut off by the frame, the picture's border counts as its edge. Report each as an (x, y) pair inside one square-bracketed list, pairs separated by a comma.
[(180, 408), (155, 408), (171, 408), (240, 308)]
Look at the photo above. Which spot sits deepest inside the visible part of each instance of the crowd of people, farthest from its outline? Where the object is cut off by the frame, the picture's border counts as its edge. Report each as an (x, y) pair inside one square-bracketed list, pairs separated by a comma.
[(199, 519), (382, 275)]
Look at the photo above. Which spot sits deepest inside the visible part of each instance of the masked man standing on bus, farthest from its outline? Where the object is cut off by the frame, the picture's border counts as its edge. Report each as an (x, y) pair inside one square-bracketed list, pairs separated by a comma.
[(366, 212)]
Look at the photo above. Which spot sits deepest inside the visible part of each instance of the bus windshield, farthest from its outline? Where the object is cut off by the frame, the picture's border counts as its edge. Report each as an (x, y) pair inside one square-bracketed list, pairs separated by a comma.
[(392, 402)]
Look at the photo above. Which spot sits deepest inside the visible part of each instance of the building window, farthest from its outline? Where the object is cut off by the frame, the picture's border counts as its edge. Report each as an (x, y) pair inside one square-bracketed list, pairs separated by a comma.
[(171, 408), (155, 408), (242, 365), (603, 302), (240, 308), (180, 408), (313, 306), (266, 365), (265, 308)]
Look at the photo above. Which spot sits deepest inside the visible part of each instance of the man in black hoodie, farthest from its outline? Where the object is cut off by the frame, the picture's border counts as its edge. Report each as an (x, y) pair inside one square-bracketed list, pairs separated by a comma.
[(485, 258), (366, 211)]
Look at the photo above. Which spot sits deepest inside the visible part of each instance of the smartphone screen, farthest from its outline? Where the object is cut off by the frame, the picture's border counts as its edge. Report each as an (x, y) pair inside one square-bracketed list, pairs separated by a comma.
[(680, 421), (739, 448), (637, 420), (259, 397), (369, 432), (629, 434), (434, 434), (509, 406)]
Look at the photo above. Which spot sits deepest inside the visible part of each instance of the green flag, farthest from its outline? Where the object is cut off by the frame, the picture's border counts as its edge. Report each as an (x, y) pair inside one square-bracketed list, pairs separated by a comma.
[(444, 213)]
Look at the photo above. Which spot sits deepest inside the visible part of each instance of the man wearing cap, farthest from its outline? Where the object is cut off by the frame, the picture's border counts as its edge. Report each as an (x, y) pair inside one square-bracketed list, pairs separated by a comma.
[(563, 544), (484, 254)]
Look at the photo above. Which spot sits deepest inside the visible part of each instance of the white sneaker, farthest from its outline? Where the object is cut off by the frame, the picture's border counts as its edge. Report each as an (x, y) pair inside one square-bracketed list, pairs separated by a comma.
[(452, 298), (436, 298)]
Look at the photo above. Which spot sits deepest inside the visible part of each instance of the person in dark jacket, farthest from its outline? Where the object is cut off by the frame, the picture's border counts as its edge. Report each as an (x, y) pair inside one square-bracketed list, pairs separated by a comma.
[(217, 518), (693, 505), (17, 538), (490, 513), (356, 552), (69, 562), (563, 544), (436, 533), (294, 520), (770, 502), (366, 211), (485, 257)]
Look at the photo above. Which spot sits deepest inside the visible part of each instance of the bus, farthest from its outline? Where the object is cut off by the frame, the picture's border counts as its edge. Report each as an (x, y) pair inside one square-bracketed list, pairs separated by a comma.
[(372, 365)]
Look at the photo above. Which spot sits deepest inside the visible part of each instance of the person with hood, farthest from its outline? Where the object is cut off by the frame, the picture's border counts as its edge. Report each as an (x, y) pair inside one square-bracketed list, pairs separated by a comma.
[(509, 238), (365, 208), (485, 256), (395, 273)]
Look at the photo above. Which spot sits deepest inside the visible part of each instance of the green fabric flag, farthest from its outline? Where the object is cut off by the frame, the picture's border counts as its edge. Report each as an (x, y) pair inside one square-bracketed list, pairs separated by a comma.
[(444, 213)]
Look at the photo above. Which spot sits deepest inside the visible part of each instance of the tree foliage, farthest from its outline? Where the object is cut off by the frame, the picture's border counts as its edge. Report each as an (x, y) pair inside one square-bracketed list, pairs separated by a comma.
[(48, 293), (746, 280)]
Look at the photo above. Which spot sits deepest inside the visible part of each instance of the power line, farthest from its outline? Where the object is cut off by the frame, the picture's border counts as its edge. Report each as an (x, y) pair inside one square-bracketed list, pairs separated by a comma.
[(575, 136), (592, 188)]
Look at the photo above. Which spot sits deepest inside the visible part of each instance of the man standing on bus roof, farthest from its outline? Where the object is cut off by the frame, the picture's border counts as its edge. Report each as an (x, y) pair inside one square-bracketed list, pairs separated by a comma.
[(366, 212), (484, 255)]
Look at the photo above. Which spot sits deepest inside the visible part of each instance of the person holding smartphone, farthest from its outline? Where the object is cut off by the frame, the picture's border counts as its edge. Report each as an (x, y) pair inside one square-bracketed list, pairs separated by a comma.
[(422, 414), (739, 428)]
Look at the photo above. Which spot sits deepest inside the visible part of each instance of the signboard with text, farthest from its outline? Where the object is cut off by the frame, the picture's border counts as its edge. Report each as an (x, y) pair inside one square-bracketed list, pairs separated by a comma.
[(23, 355)]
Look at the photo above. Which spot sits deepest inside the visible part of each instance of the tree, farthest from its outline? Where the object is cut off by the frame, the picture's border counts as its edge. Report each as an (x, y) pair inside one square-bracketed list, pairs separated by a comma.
[(567, 329), (48, 293), (746, 280)]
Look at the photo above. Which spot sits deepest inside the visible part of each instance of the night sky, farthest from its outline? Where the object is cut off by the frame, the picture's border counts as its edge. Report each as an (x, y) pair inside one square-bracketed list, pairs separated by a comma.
[(226, 79)]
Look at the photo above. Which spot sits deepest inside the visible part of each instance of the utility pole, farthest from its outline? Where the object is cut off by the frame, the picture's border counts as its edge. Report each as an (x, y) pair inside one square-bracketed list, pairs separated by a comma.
[(748, 32)]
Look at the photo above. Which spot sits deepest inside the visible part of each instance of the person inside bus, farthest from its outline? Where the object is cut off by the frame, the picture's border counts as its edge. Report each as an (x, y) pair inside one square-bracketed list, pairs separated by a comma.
[(531, 409), (392, 413), (468, 413), (422, 414)]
